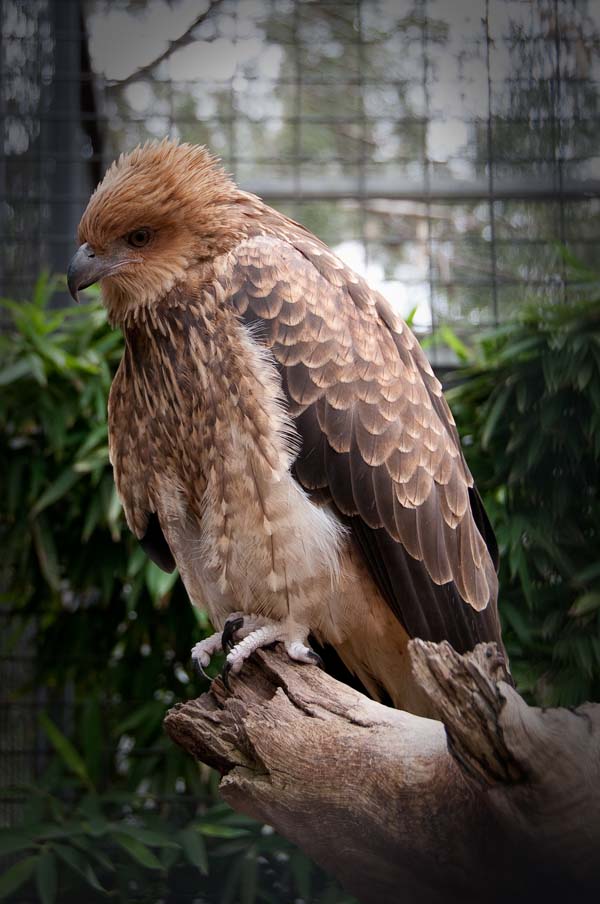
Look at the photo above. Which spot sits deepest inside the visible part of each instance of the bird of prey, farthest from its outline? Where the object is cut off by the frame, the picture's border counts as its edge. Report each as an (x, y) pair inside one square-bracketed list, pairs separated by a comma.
[(277, 433)]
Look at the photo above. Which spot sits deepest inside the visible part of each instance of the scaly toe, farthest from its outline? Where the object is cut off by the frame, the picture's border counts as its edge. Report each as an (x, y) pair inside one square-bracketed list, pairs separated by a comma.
[(301, 653), (258, 632), (261, 637), (200, 655), (204, 650)]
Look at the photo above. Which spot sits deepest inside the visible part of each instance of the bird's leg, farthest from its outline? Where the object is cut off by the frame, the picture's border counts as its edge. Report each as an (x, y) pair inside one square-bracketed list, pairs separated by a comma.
[(292, 636)]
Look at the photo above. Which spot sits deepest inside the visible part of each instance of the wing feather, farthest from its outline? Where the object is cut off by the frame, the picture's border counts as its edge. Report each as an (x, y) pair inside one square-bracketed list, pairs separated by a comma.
[(377, 434), (154, 544)]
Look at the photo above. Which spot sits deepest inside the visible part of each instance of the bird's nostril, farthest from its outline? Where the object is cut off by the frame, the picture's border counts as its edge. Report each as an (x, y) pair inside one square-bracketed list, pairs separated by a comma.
[(90, 251)]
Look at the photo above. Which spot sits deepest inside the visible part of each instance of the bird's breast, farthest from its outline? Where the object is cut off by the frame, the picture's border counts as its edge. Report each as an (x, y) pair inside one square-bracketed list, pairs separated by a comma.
[(211, 446)]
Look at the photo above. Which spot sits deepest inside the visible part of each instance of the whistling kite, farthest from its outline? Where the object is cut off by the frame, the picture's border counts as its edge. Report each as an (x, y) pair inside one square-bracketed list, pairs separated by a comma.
[(276, 431)]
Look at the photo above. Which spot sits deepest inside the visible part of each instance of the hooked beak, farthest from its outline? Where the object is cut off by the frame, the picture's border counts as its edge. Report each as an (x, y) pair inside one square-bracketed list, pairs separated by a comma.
[(86, 268)]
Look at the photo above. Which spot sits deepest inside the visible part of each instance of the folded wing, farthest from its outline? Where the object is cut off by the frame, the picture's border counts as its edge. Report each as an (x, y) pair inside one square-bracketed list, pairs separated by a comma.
[(378, 438)]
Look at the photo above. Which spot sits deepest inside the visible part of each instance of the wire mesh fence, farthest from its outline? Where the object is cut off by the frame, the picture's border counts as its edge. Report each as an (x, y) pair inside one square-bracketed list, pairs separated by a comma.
[(447, 150)]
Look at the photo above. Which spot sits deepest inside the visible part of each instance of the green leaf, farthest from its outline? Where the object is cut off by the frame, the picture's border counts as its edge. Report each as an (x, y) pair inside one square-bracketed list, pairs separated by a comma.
[(232, 848), (95, 821), (92, 737), (59, 488), (249, 878), (16, 876), (515, 618), (301, 868), (46, 877), (16, 839), (45, 830), (232, 882), (153, 709), (114, 513), (589, 573), (96, 437), (92, 849), (137, 850), (514, 350), (50, 350), (92, 518), (411, 316), (98, 458), (449, 337), (580, 271), (159, 582), (43, 289), (146, 836), (194, 849), (79, 864), (19, 368), (136, 562), (46, 551), (67, 752), (218, 831), (14, 485), (38, 370), (494, 415), (169, 857), (585, 604)]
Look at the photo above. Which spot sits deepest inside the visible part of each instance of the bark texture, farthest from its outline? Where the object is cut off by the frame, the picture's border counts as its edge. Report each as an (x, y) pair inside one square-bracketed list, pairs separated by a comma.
[(497, 800)]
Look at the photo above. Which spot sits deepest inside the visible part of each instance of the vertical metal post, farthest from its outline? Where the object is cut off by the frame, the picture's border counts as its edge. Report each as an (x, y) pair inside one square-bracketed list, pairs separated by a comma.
[(490, 165), (557, 143), (427, 165), (65, 179)]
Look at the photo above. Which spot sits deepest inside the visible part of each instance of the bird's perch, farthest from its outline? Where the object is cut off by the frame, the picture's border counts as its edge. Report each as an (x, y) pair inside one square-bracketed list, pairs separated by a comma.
[(496, 801)]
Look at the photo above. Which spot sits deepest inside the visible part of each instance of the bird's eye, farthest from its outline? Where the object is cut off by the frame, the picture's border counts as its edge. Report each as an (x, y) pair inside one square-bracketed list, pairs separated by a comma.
[(139, 237)]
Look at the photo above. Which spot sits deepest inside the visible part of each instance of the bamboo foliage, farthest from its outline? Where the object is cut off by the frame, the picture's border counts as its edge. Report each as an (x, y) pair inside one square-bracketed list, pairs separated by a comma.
[(528, 407)]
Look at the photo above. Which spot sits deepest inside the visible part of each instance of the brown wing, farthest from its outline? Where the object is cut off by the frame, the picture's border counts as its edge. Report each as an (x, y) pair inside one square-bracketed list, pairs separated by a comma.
[(378, 438)]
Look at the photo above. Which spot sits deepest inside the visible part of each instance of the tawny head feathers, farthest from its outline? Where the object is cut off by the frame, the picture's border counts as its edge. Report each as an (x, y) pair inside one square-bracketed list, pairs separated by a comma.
[(160, 209)]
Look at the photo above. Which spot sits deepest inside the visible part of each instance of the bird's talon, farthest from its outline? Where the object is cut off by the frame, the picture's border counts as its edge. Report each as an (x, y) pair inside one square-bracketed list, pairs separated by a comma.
[(231, 626), (225, 675), (316, 659), (198, 666)]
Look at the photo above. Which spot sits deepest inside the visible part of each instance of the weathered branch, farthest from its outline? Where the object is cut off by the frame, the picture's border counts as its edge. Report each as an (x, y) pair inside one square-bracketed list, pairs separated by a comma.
[(182, 41), (497, 800)]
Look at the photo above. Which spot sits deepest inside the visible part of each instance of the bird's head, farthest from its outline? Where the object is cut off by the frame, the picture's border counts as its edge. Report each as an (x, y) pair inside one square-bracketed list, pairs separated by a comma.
[(159, 210)]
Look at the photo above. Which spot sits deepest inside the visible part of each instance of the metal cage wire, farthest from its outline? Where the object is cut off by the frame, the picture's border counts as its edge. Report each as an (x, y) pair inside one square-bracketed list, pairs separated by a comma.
[(445, 149)]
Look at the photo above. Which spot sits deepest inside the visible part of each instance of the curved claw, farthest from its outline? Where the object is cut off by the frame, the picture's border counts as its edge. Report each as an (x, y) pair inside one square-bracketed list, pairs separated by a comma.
[(198, 666), (316, 659), (225, 675), (231, 626)]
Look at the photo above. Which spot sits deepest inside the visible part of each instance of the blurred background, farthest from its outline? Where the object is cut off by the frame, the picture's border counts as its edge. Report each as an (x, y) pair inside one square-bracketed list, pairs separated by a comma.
[(448, 151)]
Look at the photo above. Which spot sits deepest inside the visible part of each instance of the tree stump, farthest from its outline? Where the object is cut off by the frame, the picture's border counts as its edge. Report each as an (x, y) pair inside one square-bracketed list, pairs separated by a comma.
[(495, 801)]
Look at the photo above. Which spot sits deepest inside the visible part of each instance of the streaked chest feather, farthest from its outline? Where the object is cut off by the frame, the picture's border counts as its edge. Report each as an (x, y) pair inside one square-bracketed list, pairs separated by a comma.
[(199, 434)]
